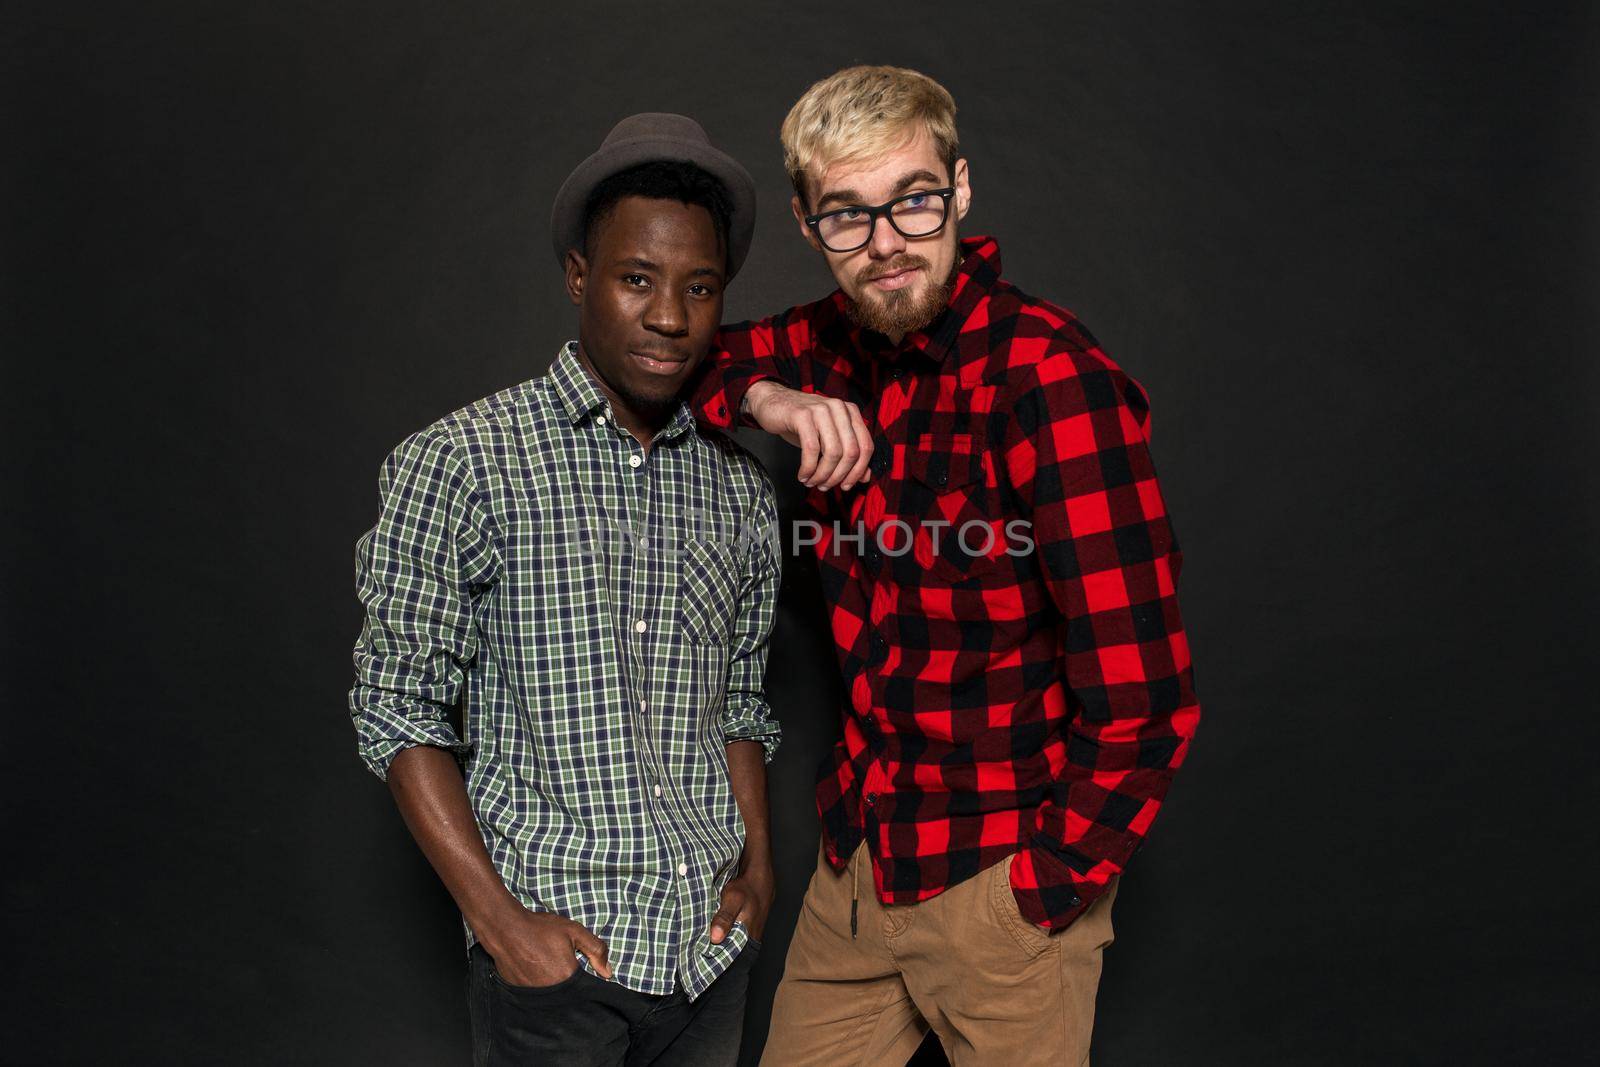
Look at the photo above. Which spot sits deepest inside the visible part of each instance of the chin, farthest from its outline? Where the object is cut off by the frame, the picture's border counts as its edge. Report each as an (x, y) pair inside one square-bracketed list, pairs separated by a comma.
[(903, 310), (915, 293), (650, 395)]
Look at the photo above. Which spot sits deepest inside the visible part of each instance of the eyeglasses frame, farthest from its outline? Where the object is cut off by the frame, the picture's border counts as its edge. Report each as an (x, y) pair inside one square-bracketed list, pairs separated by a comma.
[(881, 211)]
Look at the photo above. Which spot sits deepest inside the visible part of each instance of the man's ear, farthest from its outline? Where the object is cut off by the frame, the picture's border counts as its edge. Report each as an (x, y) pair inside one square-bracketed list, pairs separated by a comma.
[(577, 270), (799, 210), (963, 189)]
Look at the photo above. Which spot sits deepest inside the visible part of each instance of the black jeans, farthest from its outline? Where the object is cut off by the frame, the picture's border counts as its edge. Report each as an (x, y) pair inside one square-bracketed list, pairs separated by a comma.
[(584, 1021)]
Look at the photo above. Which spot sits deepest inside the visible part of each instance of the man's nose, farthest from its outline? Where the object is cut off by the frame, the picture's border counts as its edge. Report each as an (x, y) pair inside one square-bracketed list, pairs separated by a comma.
[(886, 240), (666, 314)]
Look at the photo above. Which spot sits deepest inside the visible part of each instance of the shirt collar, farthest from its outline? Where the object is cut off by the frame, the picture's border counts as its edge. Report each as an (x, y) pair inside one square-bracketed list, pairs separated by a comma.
[(576, 389), (682, 420), (975, 280), (581, 397)]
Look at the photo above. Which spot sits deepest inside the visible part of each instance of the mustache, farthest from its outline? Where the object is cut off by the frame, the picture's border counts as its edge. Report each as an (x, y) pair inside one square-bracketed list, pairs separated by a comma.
[(899, 263)]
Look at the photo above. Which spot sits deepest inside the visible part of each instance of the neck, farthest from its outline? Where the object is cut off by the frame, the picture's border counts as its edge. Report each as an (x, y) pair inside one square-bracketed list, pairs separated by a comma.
[(643, 424)]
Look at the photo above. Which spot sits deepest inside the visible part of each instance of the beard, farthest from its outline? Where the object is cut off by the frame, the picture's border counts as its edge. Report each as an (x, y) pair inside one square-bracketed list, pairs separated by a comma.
[(651, 407), (899, 311)]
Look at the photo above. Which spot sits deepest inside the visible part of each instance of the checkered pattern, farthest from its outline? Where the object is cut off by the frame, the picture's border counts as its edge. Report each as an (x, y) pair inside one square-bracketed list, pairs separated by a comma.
[(1018, 679), (601, 616)]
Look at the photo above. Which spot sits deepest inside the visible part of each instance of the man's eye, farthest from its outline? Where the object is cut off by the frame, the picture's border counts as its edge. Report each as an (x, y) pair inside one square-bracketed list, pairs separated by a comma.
[(851, 214), (634, 280), (915, 201), (699, 290)]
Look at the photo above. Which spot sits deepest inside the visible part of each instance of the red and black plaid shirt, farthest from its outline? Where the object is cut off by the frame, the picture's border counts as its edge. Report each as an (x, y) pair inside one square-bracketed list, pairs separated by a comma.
[(1023, 689)]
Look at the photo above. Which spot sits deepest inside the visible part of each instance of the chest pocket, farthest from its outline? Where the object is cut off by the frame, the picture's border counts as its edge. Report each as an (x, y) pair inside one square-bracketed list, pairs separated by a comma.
[(954, 512), (709, 593)]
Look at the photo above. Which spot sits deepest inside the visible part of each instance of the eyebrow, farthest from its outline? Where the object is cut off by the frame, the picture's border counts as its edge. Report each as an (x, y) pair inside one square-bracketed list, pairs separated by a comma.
[(646, 264), (850, 196)]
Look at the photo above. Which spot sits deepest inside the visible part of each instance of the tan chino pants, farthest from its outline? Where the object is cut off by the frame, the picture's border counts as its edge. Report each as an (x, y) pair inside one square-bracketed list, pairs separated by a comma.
[(996, 989)]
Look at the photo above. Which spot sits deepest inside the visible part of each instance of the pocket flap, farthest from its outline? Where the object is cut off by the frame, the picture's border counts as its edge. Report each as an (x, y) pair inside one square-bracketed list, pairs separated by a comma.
[(946, 461)]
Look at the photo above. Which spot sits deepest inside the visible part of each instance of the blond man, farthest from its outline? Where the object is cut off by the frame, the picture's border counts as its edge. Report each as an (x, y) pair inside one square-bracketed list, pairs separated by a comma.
[(1000, 573)]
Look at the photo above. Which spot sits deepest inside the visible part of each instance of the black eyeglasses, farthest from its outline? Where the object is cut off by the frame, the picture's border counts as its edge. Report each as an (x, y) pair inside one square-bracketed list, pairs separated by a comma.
[(920, 214)]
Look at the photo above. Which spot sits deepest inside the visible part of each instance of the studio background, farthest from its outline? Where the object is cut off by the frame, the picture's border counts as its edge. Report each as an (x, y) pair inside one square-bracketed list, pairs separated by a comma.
[(1350, 250)]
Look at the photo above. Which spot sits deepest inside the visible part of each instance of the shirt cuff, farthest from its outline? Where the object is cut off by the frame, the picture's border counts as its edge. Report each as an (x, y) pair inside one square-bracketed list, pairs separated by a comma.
[(734, 391), (1048, 895), (379, 752), (754, 723)]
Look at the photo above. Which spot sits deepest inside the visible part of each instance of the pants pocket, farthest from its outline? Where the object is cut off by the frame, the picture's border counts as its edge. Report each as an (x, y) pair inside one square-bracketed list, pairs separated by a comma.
[(1030, 938), (570, 981)]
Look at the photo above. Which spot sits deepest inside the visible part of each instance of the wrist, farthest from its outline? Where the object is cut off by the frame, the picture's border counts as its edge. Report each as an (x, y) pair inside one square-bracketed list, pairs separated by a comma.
[(492, 918), (756, 394), (757, 863)]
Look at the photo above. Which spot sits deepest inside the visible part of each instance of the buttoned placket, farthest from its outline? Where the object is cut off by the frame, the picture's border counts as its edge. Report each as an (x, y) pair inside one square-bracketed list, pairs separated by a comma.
[(640, 639), (637, 630), (898, 374)]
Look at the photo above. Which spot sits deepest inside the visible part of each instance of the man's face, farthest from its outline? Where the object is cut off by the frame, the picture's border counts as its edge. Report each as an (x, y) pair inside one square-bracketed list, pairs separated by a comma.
[(649, 298), (894, 284)]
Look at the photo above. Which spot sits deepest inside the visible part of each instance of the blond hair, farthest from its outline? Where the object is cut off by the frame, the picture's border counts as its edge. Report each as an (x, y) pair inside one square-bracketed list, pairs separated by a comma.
[(862, 112)]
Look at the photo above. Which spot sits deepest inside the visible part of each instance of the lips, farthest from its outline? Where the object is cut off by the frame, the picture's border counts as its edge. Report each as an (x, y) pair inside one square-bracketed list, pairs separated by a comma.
[(895, 279), (659, 362), (898, 276)]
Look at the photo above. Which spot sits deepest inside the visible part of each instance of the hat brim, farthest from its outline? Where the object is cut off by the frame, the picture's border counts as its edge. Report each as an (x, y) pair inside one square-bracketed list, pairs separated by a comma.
[(566, 217)]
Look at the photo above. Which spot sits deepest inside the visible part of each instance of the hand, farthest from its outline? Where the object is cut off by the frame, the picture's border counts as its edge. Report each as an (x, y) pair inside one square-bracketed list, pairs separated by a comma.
[(835, 444), (532, 948), (747, 899)]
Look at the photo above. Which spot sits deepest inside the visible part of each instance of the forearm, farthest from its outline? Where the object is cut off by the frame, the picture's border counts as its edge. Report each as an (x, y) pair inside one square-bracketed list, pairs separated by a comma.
[(432, 797), (747, 774), (740, 356)]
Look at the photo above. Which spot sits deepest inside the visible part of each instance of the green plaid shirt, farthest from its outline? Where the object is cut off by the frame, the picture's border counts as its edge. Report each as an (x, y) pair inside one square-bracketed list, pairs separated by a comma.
[(600, 616)]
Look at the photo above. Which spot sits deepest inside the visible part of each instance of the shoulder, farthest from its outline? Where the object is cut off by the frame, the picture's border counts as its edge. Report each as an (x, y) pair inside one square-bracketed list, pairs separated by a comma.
[(790, 331), (1049, 355), (472, 434), (741, 471), (496, 417)]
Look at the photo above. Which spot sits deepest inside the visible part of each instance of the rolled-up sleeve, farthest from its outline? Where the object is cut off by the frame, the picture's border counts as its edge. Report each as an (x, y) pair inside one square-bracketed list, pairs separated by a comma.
[(418, 571), (746, 715)]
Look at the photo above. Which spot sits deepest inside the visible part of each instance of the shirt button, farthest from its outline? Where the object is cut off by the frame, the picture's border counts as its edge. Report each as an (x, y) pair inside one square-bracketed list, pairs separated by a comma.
[(644, 543), (634, 461), (644, 705), (658, 790), (638, 627), (683, 870), (599, 420)]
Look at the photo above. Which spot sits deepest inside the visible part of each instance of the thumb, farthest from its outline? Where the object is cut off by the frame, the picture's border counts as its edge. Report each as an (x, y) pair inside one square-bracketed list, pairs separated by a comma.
[(591, 946), (727, 914)]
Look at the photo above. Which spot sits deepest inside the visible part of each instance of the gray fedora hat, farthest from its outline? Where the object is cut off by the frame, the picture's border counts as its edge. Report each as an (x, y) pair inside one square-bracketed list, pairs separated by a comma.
[(647, 138)]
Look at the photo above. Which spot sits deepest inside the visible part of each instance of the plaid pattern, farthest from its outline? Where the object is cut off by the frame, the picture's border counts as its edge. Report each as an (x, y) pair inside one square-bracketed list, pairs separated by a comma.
[(602, 618), (1001, 700)]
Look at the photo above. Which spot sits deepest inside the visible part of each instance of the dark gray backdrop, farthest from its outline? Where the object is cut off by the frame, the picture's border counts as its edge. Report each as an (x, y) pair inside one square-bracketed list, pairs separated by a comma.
[(1351, 254)]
